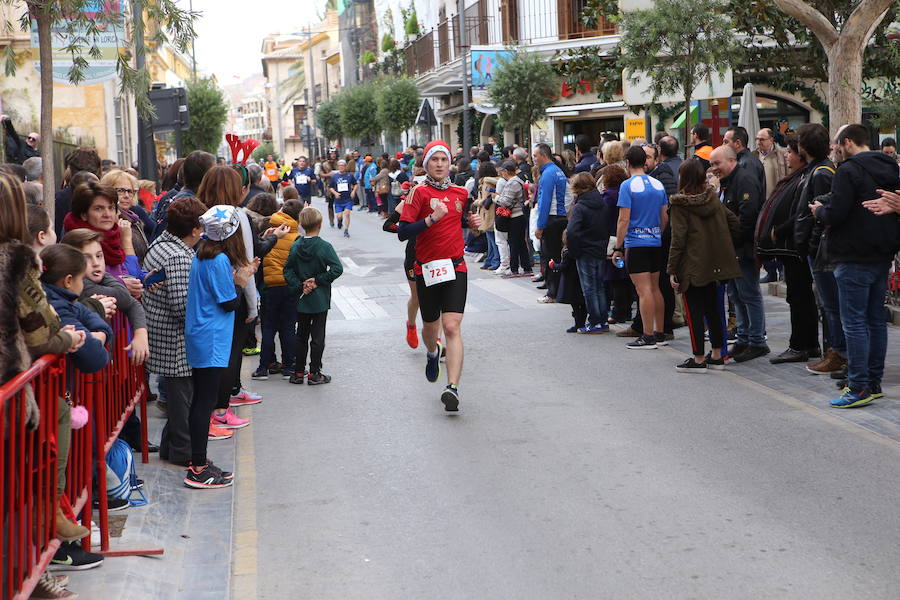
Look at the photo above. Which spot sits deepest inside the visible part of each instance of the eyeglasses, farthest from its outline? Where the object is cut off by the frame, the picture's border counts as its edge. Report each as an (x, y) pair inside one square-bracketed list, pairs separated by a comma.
[(763, 139), (127, 191)]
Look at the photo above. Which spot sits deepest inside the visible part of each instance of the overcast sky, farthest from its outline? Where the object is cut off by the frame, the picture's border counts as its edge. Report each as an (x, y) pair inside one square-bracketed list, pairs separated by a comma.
[(230, 32)]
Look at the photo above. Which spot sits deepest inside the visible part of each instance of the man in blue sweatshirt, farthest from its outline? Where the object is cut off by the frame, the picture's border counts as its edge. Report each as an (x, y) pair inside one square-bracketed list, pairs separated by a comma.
[(551, 220)]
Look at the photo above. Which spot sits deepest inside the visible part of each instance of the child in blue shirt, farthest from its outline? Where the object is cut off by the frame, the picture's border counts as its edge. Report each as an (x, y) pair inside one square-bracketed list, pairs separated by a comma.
[(219, 271)]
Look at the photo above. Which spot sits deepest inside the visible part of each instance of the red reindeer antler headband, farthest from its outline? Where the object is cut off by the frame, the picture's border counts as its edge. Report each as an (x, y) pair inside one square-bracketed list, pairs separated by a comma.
[(237, 147)]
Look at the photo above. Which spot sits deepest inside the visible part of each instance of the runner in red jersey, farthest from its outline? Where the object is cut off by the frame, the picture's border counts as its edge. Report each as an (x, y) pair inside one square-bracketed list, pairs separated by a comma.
[(435, 215)]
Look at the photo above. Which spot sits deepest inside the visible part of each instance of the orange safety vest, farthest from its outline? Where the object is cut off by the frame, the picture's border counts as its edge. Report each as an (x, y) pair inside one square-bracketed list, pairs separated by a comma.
[(271, 171)]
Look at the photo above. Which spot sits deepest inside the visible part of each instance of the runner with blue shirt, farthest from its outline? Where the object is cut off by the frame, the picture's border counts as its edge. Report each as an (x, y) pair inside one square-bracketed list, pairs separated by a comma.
[(642, 217), (302, 178), (343, 188)]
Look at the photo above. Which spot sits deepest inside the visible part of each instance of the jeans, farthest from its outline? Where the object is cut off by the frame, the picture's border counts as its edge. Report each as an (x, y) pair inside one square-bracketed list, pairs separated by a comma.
[(862, 288), (590, 274), (278, 315), (392, 202), (748, 305), (492, 260), (370, 200), (827, 289), (501, 238)]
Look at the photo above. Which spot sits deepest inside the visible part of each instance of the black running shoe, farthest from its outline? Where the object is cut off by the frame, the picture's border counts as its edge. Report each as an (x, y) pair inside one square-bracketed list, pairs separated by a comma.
[(318, 379), (205, 479), (691, 366), (662, 339), (450, 398), (298, 378), (842, 383), (645, 342), (275, 368), (260, 374), (71, 557), (112, 503), (218, 471), (715, 363), (433, 365)]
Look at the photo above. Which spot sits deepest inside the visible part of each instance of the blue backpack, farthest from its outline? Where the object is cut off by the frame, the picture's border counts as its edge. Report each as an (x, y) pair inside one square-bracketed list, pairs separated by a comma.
[(121, 478)]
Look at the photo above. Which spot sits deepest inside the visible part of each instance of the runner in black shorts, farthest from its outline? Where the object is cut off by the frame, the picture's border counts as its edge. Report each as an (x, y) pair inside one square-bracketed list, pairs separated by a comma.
[(434, 214)]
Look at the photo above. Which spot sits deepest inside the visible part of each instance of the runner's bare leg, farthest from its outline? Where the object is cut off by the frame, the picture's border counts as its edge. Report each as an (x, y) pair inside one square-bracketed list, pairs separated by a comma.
[(453, 342)]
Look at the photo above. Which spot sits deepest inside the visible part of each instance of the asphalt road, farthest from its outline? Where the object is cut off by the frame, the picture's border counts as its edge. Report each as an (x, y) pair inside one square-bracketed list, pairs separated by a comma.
[(575, 469)]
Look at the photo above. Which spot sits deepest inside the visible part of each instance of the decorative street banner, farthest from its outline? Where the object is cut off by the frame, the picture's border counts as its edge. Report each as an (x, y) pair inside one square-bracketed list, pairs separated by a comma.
[(108, 40), (484, 62)]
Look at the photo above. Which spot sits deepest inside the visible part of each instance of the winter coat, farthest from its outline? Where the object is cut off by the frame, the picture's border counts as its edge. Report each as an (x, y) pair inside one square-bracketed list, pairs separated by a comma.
[(485, 202), (807, 230), (587, 231), (274, 261), (743, 197), (586, 162), (92, 356), (774, 167), (855, 234), (513, 197), (139, 239), (569, 290), (779, 215), (702, 232), (316, 258), (28, 325), (260, 222), (663, 173), (752, 164)]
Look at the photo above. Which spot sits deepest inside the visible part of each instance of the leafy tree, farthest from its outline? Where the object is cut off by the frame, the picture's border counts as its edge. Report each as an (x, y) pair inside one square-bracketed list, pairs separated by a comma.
[(328, 118), (84, 29), (523, 88), (358, 111), (844, 37), (263, 150), (209, 113), (678, 44), (397, 103)]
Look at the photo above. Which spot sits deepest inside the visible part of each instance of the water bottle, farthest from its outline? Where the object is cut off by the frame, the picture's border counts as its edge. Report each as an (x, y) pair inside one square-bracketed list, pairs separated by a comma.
[(619, 262)]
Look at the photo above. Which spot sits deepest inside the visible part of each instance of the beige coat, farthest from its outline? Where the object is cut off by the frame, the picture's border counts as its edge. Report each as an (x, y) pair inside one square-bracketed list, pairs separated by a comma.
[(775, 166)]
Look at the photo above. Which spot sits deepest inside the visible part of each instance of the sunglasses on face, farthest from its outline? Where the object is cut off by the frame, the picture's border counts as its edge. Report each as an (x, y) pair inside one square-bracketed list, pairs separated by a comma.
[(32, 139)]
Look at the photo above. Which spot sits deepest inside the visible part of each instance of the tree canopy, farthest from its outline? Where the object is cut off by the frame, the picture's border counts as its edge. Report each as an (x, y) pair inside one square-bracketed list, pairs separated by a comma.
[(523, 87), (328, 118), (358, 111), (209, 113), (397, 103)]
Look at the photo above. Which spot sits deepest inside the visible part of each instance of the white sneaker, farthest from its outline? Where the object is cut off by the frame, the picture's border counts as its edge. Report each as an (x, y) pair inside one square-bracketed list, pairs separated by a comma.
[(502, 272)]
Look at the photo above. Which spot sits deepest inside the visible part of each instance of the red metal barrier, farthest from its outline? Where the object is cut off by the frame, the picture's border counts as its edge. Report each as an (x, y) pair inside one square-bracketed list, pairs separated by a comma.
[(28, 478), (117, 389), (29, 462)]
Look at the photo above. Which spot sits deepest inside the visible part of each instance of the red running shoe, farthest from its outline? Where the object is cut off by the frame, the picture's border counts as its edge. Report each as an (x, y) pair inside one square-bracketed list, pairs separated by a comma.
[(412, 336)]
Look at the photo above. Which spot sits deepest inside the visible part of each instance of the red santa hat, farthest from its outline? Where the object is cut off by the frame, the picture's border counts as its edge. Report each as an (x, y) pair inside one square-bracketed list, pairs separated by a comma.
[(435, 146)]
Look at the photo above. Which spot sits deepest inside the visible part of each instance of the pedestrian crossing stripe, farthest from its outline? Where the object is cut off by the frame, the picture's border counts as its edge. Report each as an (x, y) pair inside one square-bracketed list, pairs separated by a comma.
[(367, 302)]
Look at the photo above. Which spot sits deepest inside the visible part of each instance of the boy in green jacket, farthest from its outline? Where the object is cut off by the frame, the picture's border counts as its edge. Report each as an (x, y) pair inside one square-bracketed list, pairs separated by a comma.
[(311, 267)]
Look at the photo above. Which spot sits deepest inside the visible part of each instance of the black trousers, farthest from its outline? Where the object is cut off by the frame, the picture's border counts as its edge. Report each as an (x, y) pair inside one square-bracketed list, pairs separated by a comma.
[(519, 254), (231, 377), (311, 338), (580, 314), (802, 302), (176, 444), (206, 386), (701, 309), (551, 249)]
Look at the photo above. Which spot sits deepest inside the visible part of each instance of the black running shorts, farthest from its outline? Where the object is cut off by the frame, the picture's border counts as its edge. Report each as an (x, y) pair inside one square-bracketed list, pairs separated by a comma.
[(644, 259), (446, 297), (409, 268)]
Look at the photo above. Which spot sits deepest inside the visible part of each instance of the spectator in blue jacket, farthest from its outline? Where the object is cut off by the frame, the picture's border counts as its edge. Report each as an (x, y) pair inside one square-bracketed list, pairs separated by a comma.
[(63, 281), (586, 158), (551, 219)]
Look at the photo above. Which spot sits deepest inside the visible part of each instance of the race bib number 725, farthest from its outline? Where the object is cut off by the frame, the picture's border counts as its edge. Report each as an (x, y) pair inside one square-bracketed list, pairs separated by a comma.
[(438, 271)]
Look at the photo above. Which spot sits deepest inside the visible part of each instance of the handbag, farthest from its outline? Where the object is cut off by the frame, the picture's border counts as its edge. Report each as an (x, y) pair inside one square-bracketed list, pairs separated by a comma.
[(502, 218)]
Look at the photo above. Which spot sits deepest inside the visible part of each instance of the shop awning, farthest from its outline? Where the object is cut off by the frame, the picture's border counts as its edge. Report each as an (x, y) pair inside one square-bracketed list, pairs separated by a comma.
[(679, 122)]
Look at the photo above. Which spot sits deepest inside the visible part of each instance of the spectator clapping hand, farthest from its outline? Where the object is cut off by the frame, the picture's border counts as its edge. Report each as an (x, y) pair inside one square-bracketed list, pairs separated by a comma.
[(889, 202)]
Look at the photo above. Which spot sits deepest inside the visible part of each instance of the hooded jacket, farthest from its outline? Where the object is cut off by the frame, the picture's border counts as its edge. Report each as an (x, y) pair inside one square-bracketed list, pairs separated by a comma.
[(702, 250), (778, 215), (587, 232), (312, 257), (273, 263), (92, 356), (854, 233)]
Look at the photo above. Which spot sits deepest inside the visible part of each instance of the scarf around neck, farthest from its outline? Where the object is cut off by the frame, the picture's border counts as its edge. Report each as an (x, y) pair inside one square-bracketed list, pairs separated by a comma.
[(441, 185), (111, 242)]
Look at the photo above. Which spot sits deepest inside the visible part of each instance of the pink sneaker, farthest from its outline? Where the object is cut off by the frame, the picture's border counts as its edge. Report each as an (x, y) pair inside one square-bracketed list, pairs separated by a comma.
[(229, 420), (245, 398)]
